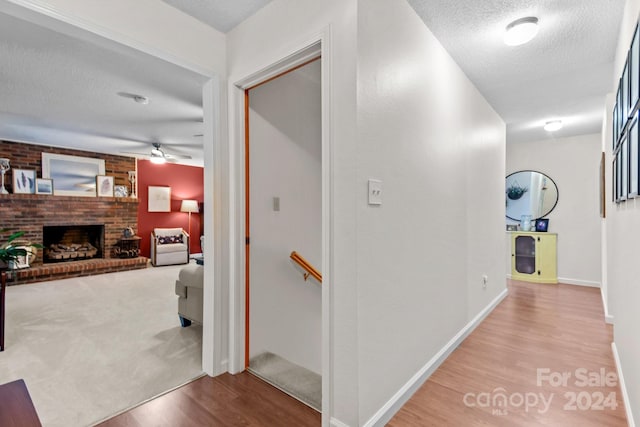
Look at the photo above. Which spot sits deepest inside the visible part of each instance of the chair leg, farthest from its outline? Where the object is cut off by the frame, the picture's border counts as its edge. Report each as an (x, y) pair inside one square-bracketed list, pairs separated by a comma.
[(184, 322)]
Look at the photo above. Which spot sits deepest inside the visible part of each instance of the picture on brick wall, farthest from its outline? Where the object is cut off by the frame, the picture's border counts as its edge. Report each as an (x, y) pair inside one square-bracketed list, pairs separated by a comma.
[(159, 199), (24, 181), (44, 186), (104, 186), (72, 175)]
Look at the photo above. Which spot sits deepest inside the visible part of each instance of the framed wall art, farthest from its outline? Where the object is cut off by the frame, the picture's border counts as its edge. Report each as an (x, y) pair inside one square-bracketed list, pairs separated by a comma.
[(44, 186), (72, 175), (104, 186), (159, 199), (24, 181)]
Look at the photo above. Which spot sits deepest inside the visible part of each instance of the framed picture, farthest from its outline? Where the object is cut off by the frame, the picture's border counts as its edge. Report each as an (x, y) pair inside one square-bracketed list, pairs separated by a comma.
[(104, 186), (634, 66), (542, 224), (44, 186), (72, 175), (24, 181), (632, 142), (512, 227), (159, 199), (120, 191)]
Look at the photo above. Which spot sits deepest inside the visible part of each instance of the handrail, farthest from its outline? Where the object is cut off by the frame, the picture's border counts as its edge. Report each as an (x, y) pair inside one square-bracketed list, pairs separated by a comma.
[(310, 270)]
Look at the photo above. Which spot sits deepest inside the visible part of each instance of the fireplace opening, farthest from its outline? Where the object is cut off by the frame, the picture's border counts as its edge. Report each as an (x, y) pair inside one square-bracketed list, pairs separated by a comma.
[(72, 242)]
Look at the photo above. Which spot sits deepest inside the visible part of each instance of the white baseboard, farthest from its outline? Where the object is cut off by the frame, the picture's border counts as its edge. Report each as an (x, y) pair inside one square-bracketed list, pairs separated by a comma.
[(623, 387), (578, 282), (337, 423), (608, 318), (384, 414)]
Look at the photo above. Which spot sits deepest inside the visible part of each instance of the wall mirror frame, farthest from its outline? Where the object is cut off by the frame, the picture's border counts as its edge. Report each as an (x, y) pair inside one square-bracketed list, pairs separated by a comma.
[(529, 192)]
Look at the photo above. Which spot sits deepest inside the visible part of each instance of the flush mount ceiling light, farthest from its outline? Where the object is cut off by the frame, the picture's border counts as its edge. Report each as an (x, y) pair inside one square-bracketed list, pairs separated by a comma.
[(521, 31), (553, 125), (137, 98)]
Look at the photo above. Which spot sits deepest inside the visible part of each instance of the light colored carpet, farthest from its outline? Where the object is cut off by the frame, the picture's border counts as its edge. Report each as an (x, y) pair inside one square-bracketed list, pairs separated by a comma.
[(299, 382), (91, 347)]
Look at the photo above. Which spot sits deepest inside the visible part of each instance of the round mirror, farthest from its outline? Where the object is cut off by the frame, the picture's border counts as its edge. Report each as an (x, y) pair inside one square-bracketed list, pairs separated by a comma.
[(530, 193)]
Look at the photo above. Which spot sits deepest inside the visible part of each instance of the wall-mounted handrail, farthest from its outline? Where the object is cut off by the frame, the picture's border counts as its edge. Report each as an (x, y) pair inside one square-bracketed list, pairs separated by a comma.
[(310, 270)]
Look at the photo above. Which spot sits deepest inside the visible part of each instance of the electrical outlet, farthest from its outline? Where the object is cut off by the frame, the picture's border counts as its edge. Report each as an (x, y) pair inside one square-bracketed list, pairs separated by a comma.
[(485, 280)]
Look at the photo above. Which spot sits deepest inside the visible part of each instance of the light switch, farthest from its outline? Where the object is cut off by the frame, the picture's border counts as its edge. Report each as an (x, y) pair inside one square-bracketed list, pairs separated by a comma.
[(375, 192), (276, 204)]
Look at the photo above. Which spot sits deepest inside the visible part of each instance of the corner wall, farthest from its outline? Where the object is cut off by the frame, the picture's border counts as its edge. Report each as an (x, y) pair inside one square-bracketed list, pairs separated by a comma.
[(623, 242), (574, 165)]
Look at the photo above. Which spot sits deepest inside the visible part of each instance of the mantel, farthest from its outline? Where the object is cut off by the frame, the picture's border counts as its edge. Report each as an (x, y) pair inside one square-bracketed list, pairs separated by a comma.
[(79, 199)]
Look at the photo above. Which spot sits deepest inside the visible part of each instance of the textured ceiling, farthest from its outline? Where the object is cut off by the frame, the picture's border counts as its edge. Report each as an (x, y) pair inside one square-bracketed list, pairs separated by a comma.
[(565, 72), (222, 15), (59, 90)]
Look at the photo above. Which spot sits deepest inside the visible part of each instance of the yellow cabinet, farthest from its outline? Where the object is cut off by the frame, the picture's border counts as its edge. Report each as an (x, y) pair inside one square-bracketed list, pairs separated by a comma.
[(534, 256)]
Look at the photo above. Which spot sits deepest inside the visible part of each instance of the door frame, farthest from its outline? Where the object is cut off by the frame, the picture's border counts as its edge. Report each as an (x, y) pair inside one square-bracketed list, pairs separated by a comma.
[(316, 45)]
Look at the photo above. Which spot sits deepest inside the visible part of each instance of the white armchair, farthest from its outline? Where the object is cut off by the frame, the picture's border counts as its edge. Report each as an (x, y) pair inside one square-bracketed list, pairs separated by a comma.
[(169, 246)]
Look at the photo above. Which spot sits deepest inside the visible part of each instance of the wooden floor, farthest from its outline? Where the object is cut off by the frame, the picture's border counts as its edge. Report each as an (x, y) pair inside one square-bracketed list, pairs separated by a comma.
[(226, 400), (554, 327)]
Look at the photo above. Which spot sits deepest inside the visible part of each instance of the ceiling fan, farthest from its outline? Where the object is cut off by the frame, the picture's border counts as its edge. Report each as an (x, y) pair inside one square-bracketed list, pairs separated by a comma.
[(158, 155)]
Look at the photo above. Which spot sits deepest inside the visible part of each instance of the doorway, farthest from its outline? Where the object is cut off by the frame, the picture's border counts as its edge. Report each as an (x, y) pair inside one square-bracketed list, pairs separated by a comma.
[(283, 214)]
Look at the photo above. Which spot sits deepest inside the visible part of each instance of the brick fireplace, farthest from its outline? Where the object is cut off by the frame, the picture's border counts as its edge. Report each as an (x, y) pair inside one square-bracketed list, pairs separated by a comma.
[(31, 213)]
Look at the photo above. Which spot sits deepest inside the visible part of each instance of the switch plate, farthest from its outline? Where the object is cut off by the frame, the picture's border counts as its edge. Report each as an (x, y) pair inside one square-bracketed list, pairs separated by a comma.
[(276, 204), (375, 192)]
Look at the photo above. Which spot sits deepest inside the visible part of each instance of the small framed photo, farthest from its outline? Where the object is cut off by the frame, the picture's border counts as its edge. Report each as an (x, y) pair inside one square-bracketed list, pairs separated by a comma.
[(44, 186), (120, 191), (24, 181), (512, 227), (104, 186), (542, 224)]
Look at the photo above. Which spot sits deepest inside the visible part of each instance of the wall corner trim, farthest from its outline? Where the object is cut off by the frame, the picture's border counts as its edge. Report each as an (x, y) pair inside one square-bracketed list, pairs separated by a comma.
[(389, 409), (623, 387), (337, 423), (578, 282), (608, 317)]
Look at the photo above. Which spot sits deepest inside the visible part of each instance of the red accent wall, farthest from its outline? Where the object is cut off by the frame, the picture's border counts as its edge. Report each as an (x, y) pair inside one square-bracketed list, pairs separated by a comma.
[(186, 182)]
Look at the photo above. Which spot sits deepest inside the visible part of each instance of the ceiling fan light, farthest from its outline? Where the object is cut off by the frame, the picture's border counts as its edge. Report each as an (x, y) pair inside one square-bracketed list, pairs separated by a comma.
[(158, 160), (553, 125), (521, 31)]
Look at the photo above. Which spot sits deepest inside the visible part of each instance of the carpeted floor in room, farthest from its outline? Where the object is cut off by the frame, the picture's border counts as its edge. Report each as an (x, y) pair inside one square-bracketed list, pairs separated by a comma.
[(91, 347)]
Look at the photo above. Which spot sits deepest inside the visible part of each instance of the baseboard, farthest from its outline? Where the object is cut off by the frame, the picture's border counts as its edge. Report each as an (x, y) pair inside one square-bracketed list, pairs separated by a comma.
[(623, 387), (337, 423), (608, 318), (578, 282), (394, 404)]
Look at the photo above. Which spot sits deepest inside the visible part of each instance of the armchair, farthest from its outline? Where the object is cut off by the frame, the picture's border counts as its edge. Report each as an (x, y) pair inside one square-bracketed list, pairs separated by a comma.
[(169, 246)]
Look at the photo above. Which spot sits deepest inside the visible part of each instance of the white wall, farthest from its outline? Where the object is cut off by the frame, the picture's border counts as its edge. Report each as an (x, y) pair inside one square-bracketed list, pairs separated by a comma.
[(276, 31), (623, 241), (285, 158), (438, 147), (573, 164), (406, 275)]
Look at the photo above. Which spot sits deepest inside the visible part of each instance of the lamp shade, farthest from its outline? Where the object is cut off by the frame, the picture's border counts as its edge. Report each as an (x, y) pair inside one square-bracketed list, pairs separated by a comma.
[(189, 206)]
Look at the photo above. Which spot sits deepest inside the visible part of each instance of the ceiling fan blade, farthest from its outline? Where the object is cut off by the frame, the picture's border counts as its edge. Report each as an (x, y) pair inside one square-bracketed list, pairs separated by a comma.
[(176, 156)]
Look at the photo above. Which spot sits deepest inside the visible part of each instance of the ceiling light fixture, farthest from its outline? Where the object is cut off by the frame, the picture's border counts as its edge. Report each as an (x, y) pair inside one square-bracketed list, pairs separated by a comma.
[(141, 99), (553, 125), (521, 31)]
